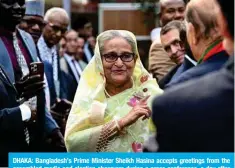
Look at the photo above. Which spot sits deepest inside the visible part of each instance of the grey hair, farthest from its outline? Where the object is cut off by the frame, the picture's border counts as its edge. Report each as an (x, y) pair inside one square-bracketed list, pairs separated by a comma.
[(54, 11), (111, 34)]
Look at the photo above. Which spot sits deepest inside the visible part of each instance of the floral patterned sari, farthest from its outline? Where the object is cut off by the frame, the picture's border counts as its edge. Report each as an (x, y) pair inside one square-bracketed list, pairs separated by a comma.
[(93, 114)]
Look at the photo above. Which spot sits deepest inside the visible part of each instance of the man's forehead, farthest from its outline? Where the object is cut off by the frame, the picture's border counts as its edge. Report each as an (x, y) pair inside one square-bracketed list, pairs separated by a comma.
[(81, 40), (58, 18), (165, 3), (59, 21), (32, 17), (71, 35), (170, 36)]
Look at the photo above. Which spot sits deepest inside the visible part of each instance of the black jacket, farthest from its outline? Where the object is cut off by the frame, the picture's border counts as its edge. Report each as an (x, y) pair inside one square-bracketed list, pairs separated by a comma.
[(198, 115), (175, 72), (11, 124)]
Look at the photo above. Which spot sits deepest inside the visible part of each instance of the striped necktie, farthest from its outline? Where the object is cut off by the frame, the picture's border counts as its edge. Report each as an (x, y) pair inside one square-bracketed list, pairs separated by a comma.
[(75, 67), (25, 70)]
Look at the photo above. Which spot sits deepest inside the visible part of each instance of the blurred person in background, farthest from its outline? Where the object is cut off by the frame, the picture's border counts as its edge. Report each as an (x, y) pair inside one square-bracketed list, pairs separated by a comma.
[(159, 62), (57, 21), (62, 45), (69, 64), (22, 95), (33, 22), (200, 117), (172, 43), (80, 53), (91, 40), (84, 27), (204, 39)]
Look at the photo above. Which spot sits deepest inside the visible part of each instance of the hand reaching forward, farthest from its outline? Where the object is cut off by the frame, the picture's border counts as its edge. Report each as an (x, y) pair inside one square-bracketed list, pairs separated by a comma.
[(139, 110)]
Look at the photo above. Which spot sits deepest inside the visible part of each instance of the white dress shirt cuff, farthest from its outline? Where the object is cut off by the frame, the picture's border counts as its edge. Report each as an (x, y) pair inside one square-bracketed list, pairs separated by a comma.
[(25, 112)]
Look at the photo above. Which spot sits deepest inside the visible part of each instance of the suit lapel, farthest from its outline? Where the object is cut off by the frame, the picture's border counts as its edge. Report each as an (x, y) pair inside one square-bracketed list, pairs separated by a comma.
[(29, 45), (71, 71), (4, 78), (5, 62)]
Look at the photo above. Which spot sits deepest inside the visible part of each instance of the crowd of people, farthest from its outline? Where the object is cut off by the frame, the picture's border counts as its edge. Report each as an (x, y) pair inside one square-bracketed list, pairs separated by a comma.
[(65, 90)]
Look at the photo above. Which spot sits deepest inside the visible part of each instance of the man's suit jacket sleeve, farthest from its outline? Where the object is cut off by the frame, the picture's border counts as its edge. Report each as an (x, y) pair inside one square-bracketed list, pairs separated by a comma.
[(197, 115), (50, 123), (159, 62), (11, 120)]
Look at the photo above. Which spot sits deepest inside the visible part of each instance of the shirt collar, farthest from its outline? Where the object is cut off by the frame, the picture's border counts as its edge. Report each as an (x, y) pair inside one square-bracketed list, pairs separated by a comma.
[(68, 57), (190, 59), (214, 48)]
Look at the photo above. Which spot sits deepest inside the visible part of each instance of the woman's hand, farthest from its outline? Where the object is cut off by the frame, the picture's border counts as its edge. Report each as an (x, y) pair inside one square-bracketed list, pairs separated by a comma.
[(140, 110)]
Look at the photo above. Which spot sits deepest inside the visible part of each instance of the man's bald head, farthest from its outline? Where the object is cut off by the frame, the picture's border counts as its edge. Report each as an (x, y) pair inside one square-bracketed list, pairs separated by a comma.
[(171, 10), (203, 20), (202, 25), (57, 21), (57, 14)]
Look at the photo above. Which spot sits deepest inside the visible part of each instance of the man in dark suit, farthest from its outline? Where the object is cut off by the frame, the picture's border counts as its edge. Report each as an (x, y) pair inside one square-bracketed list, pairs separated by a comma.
[(198, 115), (204, 40), (17, 52), (14, 116), (69, 64), (57, 21), (33, 23), (85, 30), (159, 62), (174, 44)]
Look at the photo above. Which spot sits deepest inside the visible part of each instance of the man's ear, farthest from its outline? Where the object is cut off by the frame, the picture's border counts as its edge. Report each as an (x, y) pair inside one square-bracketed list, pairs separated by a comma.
[(193, 33), (223, 25)]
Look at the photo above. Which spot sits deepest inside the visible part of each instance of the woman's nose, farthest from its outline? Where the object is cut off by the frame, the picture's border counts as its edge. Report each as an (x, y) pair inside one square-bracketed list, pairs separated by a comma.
[(119, 62)]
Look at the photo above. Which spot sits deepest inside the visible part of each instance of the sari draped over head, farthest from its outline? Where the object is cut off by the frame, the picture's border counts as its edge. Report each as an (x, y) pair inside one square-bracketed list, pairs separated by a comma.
[(93, 113)]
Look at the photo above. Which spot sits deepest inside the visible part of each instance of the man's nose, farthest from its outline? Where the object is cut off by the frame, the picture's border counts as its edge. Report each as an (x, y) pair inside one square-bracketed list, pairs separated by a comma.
[(179, 15), (174, 49), (58, 33), (16, 5), (36, 27)]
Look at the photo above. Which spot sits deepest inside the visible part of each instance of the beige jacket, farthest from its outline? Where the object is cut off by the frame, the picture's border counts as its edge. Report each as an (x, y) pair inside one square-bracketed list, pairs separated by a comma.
[(159, 62)]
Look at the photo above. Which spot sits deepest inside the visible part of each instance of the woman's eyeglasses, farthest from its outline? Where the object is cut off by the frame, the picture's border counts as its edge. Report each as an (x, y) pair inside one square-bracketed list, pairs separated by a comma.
[(112, 57)]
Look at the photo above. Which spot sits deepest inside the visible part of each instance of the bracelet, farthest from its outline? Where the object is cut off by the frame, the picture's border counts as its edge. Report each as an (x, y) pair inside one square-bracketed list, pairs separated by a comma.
[(118, 126)]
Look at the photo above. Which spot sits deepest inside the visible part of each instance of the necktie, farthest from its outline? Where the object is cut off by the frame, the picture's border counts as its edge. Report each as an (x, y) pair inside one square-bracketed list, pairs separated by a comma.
[(74, 64), (55, 73), (25, 70), (20, 57)]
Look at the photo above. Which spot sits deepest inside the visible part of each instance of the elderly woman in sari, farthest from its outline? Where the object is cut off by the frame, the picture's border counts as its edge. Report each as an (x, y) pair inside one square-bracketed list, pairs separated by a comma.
[(111, 108)]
